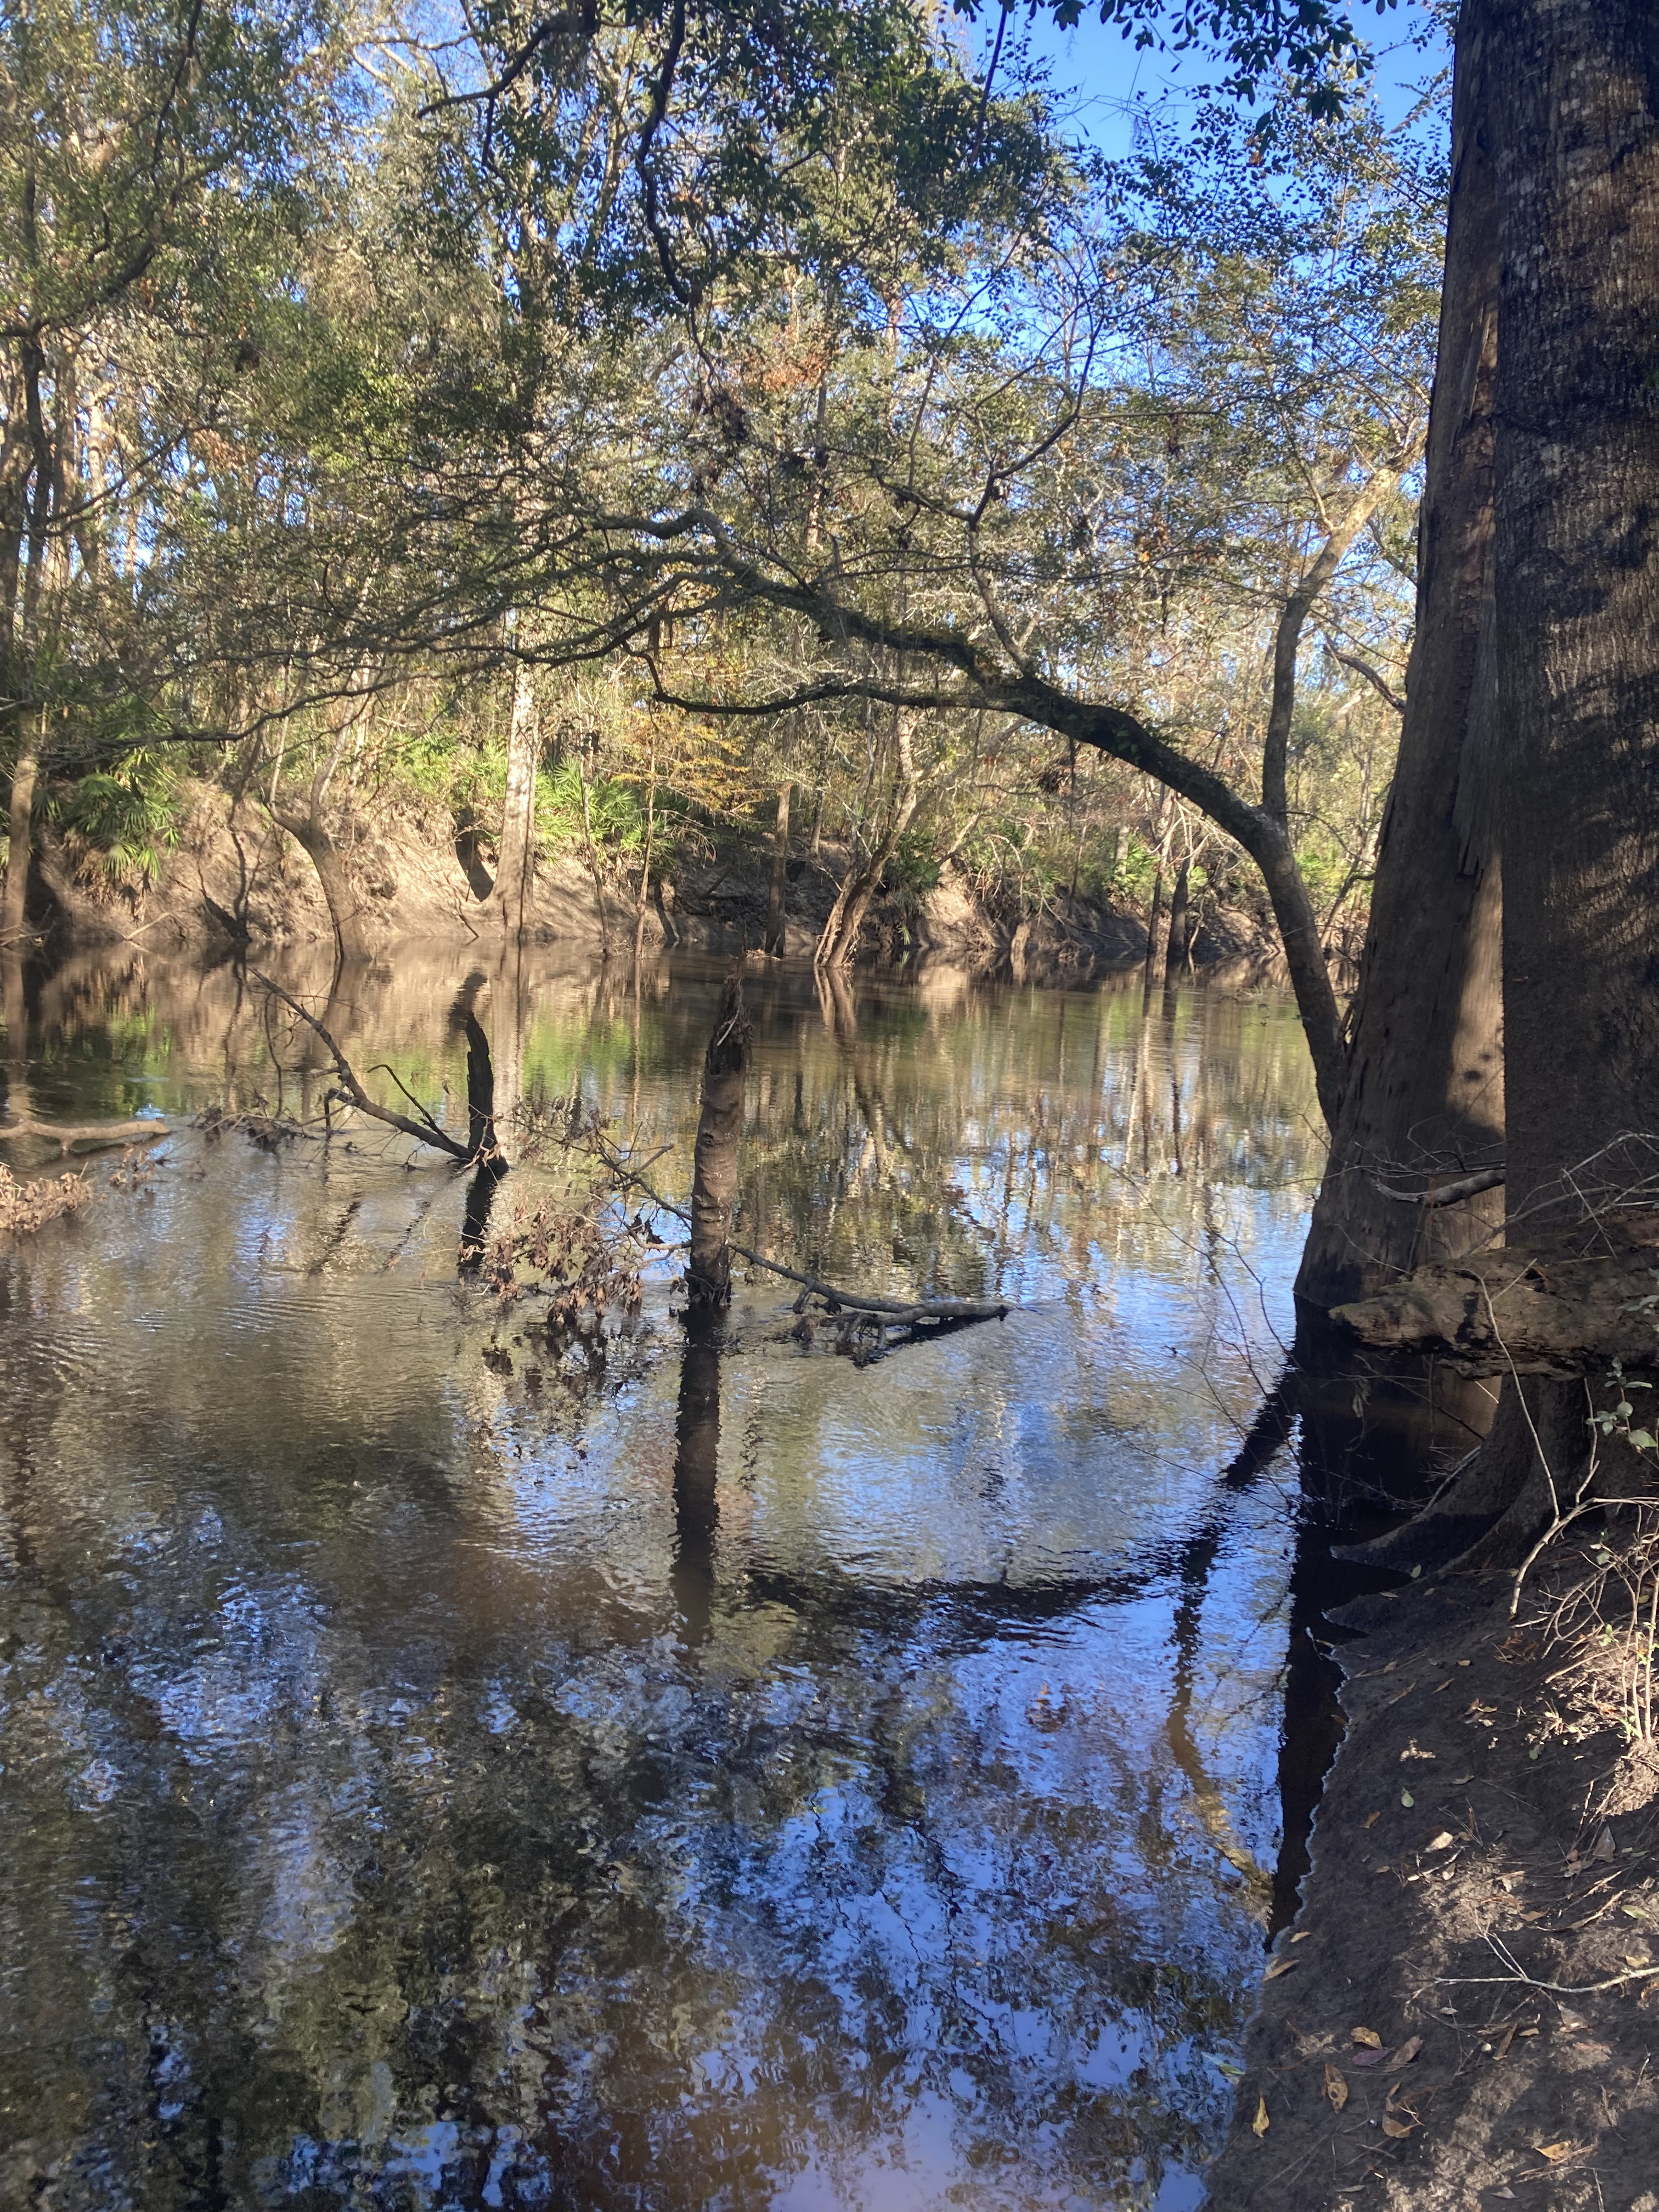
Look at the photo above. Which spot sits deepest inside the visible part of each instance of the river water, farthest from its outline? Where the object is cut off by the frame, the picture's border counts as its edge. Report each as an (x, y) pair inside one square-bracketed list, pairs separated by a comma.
[(644, 1778)]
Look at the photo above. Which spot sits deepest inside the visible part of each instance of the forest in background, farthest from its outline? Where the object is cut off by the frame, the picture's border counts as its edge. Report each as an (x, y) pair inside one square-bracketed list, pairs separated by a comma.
[(707, 432)]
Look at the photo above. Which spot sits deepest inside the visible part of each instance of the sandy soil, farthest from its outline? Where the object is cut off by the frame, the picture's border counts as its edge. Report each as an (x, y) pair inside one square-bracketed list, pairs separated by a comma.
[(1466, 2011)]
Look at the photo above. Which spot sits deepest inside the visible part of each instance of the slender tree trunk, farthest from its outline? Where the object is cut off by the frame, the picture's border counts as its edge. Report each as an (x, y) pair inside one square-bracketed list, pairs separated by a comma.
[(591, 851), (1155, 948), (644, 892), (719, 1131), (1425, 1092), (1175, 956), (24, 777), (515, 866), (775, 890)]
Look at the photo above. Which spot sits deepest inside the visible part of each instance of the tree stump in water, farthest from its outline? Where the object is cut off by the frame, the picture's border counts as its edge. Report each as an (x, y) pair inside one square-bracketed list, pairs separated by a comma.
[(719, 1128)]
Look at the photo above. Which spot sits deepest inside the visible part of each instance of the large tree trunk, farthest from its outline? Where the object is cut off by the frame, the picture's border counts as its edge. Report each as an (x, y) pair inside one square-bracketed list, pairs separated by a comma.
[(1576, 153), (719, 1130), (1424, 1091), (516, 862)]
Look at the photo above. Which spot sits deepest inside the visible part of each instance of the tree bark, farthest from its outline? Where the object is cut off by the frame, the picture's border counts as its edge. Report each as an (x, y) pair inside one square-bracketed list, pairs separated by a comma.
[(1575, 143), (1180, 941), (774, 889), (516, 862), (719, 1130), (1424, 1091)]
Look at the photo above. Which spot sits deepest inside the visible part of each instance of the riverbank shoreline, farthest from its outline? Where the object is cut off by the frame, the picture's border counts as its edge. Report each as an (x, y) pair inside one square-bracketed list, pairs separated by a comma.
[(1462, 2011), (240, 881)]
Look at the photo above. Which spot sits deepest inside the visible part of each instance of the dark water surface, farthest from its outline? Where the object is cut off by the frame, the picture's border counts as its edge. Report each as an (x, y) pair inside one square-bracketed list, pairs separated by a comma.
[(649, 1778)]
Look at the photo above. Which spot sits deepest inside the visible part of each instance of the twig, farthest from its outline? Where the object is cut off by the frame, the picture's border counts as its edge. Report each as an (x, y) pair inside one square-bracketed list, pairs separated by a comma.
[(1446, 1193), (1555, 1988)]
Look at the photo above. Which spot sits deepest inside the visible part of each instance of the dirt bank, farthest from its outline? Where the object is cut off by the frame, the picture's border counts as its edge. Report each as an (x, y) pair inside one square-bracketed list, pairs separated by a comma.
[(1465, 2010), (235, 877)]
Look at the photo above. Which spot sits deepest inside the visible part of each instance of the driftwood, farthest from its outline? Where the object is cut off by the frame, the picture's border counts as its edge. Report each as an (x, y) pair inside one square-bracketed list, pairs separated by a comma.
[(480, 1146), (91, 1135), (1550, 1308)]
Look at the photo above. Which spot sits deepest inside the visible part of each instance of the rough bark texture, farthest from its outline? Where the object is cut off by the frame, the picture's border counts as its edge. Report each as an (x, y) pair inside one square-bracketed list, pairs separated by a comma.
[(517, 858), (1576, 105), (1577, 616), (719, 1130), (1424, 1089), (1574, 119)]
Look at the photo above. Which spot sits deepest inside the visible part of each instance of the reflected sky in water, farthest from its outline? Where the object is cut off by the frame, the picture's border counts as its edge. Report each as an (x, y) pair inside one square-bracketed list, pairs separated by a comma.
[(660, 1776)]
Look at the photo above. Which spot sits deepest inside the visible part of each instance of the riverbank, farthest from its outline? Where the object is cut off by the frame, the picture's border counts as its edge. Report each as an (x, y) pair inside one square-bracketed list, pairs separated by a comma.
[(1464, 2010), (235, 878)]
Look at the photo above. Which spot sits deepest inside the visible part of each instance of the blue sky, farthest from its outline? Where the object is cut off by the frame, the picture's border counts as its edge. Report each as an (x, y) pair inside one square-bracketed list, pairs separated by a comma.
[(1110, 76)]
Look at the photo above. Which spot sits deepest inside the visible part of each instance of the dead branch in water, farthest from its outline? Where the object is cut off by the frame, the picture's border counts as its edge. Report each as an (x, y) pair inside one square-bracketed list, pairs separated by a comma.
[(894, 1312), (480, 1083), (27, 1206)]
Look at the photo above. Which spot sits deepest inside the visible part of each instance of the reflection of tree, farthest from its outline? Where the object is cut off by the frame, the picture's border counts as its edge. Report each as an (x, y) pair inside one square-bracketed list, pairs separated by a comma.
[(381, 1822)]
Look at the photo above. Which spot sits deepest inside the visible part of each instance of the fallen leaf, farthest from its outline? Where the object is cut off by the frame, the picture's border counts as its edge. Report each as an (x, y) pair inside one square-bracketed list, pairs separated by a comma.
[(1371, 1819), (1302, 1935), (1604, 1844), (1406, 1799), (1336, 2089), (1408, 2051), (1368, 2036), (1398, 2129), (1261, 2123), (1281, 1966), (1372, 2058), (1554, 2152), (1443, 1842), (1507, 2038)]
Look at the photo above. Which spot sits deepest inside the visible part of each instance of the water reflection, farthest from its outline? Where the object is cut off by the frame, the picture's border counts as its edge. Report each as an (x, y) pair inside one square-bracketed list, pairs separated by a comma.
[(683, 1772)]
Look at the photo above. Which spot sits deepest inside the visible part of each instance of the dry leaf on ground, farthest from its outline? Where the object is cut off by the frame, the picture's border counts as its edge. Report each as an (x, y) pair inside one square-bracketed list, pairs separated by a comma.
[(1336, 2089), (1261, 2123)]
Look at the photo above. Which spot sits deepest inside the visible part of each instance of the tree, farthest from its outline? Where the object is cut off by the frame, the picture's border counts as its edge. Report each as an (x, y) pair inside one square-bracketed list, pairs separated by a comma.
[(150, 167)]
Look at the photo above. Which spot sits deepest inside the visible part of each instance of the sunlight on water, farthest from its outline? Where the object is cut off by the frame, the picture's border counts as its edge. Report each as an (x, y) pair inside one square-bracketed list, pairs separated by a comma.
[(420, 1791)]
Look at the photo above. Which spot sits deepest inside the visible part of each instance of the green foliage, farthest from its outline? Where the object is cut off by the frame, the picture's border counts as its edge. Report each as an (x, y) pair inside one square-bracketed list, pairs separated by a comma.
[(119, 821)]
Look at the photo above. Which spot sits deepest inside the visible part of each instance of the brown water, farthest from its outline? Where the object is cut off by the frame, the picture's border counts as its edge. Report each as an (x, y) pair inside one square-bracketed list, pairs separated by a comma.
[(420, 1790)]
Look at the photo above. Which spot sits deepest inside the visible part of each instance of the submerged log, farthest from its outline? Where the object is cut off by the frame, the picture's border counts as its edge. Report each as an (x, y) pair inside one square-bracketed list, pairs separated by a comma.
[(1561, 1307), (88, 1135)]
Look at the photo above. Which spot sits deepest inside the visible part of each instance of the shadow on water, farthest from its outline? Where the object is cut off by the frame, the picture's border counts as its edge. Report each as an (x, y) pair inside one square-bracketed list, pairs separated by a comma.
[(449, 1764)]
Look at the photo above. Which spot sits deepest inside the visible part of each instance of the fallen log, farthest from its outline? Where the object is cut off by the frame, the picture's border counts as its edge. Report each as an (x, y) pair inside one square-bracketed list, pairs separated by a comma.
[(1553, 1308), (89, 1135)]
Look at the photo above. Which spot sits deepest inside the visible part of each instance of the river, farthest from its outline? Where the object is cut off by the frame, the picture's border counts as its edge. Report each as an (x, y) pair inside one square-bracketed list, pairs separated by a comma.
[(585, 1777)]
